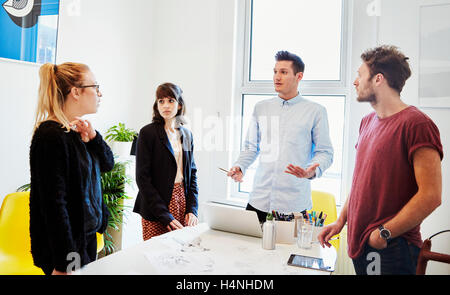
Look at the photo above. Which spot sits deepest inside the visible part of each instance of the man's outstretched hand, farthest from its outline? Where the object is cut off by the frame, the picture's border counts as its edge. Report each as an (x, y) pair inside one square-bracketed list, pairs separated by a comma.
[(300, 172)]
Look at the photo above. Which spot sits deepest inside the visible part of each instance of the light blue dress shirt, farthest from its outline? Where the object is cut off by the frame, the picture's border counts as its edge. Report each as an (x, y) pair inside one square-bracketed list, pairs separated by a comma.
[(283, 132)]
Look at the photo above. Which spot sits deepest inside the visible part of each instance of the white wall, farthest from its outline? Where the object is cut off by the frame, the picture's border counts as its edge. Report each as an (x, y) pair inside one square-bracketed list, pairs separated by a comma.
[(193, 47), (115, 40), (18, 95), (133, 49)]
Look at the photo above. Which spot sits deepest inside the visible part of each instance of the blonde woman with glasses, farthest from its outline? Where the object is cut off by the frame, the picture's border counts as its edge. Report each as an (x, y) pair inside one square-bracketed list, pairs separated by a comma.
[(67, 156)]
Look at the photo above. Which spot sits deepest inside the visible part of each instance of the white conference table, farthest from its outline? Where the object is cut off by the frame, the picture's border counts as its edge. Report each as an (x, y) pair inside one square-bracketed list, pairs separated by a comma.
[(200, 250)]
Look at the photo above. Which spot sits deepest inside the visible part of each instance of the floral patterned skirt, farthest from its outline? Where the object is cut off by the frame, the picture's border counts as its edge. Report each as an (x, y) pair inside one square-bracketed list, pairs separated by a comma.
[(177, 207)]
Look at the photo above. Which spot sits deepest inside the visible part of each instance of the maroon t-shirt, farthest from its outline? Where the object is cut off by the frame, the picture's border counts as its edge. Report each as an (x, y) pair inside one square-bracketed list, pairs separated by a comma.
[(383, 179)]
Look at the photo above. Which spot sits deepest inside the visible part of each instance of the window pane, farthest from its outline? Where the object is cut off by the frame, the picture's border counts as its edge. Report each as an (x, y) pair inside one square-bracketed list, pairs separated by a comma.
[(249, 102), (328, 185), (46, 44), (310, 29), (335, 106), (331, 179)]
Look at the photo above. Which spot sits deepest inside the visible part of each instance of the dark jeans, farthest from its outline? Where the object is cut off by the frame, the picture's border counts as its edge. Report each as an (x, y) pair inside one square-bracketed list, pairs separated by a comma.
[(261, 214), (399, 257)]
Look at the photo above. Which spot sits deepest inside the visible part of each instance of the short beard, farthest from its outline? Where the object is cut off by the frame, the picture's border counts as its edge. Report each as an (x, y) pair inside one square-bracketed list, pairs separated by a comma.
[(370, 98)]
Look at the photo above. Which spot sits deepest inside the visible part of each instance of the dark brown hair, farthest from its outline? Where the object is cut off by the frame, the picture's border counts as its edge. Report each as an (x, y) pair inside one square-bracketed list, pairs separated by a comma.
[(297, 63), (173, 91), (390, 62)]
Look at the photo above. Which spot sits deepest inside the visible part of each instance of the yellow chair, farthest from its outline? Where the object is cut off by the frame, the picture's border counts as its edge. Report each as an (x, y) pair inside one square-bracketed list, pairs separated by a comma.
[(100, 242), (326, 203), (15, 243)]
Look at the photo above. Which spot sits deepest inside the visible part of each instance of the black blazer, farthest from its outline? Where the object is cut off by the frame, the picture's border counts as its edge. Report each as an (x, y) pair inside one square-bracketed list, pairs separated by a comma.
[(156, 169)]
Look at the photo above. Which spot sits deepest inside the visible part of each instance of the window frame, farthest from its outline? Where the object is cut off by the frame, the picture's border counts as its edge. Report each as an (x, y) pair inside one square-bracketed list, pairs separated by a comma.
[(243, 86)]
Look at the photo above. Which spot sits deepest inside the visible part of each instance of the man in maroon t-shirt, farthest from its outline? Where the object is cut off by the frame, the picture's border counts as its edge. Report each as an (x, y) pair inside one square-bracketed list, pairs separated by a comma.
[(397, 178)]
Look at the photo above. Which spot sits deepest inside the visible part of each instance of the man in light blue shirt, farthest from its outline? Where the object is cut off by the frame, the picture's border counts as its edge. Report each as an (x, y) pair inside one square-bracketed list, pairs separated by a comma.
[(290, 134)]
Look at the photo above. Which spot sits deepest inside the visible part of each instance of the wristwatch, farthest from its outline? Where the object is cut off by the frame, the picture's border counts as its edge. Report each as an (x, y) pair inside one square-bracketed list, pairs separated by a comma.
[(384, 233)]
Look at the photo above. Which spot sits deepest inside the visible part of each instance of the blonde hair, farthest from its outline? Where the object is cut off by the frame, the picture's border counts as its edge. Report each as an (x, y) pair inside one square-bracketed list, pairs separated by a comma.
[(56, 82)]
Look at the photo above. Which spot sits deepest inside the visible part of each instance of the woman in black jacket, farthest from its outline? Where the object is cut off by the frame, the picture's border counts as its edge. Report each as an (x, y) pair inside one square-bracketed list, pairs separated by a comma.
[(165, 167), (67, 156)]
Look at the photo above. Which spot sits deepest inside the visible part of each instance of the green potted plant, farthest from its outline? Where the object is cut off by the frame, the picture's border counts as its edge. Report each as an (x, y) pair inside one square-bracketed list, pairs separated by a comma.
[(114, 194), (121, 139), (24, 188)]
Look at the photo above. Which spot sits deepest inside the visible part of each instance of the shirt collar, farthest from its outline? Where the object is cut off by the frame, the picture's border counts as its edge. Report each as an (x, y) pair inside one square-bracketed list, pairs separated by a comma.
[(291, 101)]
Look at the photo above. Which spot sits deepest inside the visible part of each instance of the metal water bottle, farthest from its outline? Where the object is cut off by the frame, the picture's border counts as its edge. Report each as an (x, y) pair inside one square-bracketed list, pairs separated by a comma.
[(268, 240)]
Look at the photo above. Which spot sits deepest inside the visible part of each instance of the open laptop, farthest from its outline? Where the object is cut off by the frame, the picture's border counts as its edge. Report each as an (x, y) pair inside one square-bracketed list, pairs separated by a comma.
[(232, 219)]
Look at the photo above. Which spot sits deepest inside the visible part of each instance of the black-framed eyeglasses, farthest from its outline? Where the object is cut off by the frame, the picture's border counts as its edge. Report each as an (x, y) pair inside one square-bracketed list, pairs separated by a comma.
[(96, 86)]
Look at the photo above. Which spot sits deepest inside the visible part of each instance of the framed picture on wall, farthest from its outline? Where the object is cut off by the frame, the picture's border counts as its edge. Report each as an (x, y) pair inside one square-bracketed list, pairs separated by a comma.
[(434, 68), (29, 30)]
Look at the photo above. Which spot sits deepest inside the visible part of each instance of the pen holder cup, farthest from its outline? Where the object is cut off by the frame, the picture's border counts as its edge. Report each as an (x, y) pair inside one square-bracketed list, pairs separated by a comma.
[(305, 230), (316, 232), (285, 232)]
